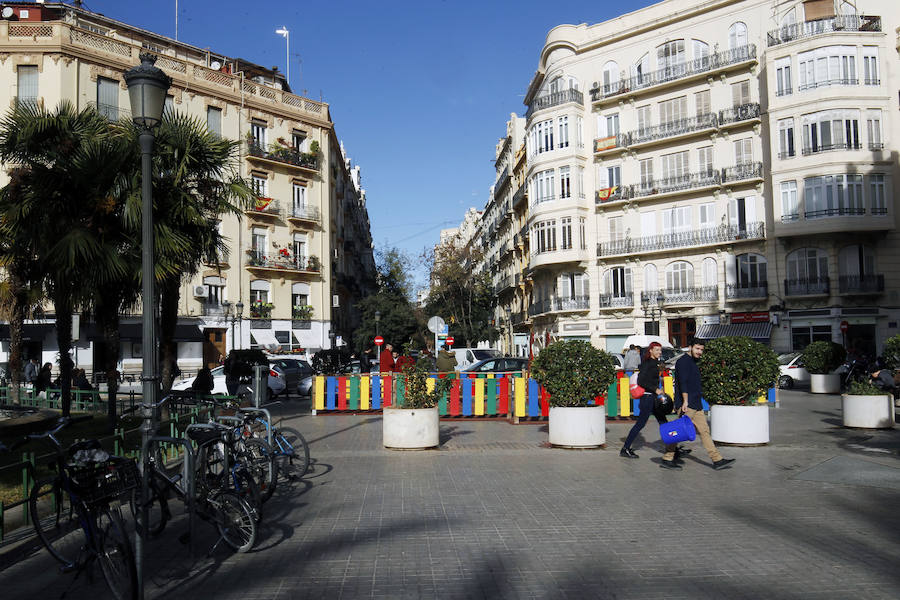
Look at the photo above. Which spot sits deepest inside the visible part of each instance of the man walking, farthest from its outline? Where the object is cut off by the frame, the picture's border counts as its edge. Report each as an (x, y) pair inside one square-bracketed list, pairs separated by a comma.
[(687, 377), (31, 371), (632, 359), (386, 359)]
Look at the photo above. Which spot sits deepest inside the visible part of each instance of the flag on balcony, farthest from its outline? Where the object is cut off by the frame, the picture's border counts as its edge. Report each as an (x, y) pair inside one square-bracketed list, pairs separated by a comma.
[(604, 194), (262, 203)]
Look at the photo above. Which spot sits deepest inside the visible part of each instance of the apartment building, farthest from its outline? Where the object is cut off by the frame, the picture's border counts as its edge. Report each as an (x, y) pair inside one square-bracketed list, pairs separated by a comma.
[(297, 259), (716, 168)]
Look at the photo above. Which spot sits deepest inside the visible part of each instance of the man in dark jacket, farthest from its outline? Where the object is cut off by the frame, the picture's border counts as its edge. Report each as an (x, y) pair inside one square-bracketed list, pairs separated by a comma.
[(649, 379), (687, 374)]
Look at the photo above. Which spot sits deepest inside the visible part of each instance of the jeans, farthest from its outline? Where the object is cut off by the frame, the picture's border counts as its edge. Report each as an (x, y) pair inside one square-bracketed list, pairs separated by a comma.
[(645, 408)]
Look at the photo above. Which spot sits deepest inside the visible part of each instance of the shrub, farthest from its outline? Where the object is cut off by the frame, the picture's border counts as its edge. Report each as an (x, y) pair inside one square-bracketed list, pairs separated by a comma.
[(892, 352), (737, 370), (573, 372), (863, 387), (417, 394), (330, 360), (821, 358)]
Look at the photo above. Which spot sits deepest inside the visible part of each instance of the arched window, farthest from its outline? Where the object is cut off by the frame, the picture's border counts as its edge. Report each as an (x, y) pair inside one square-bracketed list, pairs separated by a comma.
[(751, 271), (847, 9), (737, 35), (807, 272), (700, 52), (300, 300), (610, 74), (710, 273), (679, 278), (259, 292), (617, 282), (641, 68), (670, 55), (651, 278), (789, 18)]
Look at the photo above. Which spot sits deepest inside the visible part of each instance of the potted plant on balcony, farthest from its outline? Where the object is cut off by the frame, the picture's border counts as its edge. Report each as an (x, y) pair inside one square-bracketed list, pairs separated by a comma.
[(821, 359), (261, 310), (312, 263), (575, 374), (416, 424), (867, 406), (255, 258), (735, 373), (302, 312)]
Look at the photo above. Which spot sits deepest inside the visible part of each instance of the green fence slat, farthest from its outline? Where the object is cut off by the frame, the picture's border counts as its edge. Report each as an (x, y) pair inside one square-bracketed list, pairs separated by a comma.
[(490, 396), (612, 399), (353, 401)]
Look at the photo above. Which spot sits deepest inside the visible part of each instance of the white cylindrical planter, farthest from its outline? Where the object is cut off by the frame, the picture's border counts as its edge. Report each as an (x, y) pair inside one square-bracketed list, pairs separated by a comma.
[(411, 428), (746, 425), (825, 384), (870, 412), (578, 426)]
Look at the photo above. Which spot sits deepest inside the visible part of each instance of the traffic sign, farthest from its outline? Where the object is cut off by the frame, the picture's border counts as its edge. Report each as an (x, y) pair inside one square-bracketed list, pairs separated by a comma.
[(379, 340), (450, 341), (435, 324), (844, 326)]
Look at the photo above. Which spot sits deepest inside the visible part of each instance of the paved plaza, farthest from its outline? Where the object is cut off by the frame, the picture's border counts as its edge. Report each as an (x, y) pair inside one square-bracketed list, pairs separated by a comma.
[(496, 514)]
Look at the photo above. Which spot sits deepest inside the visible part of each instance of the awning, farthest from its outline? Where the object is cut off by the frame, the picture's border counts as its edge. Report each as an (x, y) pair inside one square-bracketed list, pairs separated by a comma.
[(264, 337), (757, 331), (30, 331), (184, 332)]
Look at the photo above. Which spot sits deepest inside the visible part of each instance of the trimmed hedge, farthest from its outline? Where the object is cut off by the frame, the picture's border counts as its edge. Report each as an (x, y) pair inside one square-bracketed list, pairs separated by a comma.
[(892, 352), (737, 370), (821, 358), (573, 372)]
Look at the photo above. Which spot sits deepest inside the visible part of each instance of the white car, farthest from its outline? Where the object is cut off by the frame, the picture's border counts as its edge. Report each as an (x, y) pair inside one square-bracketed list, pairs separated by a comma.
[(276, 382), (791, 370)]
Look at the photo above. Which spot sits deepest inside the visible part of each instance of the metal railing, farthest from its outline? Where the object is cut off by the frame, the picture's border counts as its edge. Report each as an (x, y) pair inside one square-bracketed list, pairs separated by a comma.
[(111, 111), (838, 23), (617, 300), (554, 99), (571, 303), (256, 258), (671, 129), (308, 213), (787, 154), (502, 180), (284, 154), (737, 291), (708, 293), (752, 170), (674, 184), (860, 284), (519, 195), (679, 71), (266, 206), (736, 114), (208, 309), (808, 286), (835, 212), (683, 239), (827, 82), (829, 147)]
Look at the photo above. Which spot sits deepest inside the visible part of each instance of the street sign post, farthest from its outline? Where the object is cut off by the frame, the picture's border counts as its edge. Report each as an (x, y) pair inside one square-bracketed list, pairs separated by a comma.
[(379, 340), (450, 341), (844, 326)]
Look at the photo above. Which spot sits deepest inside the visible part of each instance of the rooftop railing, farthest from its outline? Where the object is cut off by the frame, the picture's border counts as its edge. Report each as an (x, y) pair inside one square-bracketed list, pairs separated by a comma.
[(837, 23)]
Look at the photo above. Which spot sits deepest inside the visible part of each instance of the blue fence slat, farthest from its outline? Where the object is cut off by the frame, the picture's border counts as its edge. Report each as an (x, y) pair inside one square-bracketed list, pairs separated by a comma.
[(376, 392), (534, 395), (467, 397), (331, 393)]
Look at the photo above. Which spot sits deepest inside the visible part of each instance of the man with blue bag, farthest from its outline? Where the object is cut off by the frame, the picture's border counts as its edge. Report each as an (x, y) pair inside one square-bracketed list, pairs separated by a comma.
[(688, 401)]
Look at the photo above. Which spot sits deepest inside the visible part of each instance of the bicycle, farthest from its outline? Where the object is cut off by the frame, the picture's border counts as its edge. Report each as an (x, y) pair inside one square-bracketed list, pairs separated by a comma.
[(72, 511)]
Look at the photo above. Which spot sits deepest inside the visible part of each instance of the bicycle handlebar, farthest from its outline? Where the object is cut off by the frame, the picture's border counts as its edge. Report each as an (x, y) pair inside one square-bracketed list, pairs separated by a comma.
[(61, 424)]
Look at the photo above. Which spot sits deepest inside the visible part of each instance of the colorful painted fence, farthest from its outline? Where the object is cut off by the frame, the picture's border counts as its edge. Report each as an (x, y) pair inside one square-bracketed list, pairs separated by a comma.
[(511, 395)]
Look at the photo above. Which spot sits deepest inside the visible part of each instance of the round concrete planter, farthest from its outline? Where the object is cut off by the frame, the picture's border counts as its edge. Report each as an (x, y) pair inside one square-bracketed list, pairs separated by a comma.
[(869, 412), (578, 426), (411, 428), (825, 384), (744, 425)]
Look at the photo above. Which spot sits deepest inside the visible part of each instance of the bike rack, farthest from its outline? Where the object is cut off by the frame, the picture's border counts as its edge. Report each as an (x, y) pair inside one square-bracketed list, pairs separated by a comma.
[(187, 476)]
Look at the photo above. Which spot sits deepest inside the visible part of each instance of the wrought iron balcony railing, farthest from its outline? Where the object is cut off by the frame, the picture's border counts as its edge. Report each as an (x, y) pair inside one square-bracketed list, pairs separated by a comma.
[(672, 129), (861, 284), (674, 72), (837, 23), (738, 291), (554, 99), (519, 195), (753, 170), (676, 183), (502, 180), (258, 259), (835, 212), (683, 239), (212, 309), (307, 213), (736, 114), (265, 206), (617, 300), (681, 295), (571, 303), (807, 150), (807, 286), (284, 154)]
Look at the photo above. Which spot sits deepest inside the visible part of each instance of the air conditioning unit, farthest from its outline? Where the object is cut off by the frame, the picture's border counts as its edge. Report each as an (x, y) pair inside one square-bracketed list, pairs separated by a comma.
[(201, 291), (335, 301)]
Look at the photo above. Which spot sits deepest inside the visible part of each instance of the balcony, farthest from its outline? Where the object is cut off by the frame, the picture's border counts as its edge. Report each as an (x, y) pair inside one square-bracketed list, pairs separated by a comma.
[(738, 114), (518, 318), (571, 303), (211, 309), (742, 172), (282, 262), (682, 295), (309, 214), (740, 291), (264, 207), (502, 180), (503, 284), (812, 286), (839, 23), (682, 239), (827, 83), (672, 129), (519, 196), (284, 155), (876, 146), (696, 67), (677, 183), (554, 99), (616, 300), (111, 111), (860, 284)]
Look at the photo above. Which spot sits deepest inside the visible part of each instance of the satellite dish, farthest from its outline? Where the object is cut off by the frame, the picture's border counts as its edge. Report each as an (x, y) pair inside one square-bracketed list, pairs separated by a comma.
[(435, 324), (7, 12), (216, 65)]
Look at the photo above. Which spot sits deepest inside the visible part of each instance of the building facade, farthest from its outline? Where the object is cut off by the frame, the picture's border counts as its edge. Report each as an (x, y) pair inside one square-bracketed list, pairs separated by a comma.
[(297, 259)]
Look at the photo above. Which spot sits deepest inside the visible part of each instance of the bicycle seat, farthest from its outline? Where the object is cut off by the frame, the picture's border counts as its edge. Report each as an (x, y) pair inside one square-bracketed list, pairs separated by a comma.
[(205, 435)]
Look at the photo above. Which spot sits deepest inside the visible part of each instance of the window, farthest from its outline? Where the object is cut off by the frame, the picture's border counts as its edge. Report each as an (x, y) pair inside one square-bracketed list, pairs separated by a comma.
[(565, 183), (543, 184), (673, 111), (543, 136), (830, 130), (563, 132), (169, 106), (710, 272), (579, 131), (298, 197), (741, 213), (565, 233), (806, 265), (260, 185), (108, 98), (790, 208), (579, 181), (610, 76), (679, 277), (648, 223), (300, 294), (671, 57), (259, 241), (300, 248), (651, 278), (582, 232), (544, 236), (215, 290), (258, 132), (856, 261), (617, 282), (743, 151), (676, 219), (701, 53), (675, 165), (801, 337), (259, 292), (643, 118), (707, 215), (572, 285), (876, 194), (740, 93), (641, 68), (705, 159), (783, 77), (831, 65), (833, 195), (298, 141), (646, 172), (27, 86), (613, 176), (737, 35), (870, 66), (873, 128), (612, 125), (703, 104), (751, 271), (786, 138), (214, 120), (616, 229)]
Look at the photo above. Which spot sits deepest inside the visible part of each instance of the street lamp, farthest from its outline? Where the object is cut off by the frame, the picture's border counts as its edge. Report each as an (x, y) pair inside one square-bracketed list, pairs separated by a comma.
[(510, 351), (287, 58), (653, 312), (234, 313), (377, 319), (147, 87)]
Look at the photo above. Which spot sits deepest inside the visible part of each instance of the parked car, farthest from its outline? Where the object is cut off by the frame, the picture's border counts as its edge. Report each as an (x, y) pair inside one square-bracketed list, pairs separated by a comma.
[(469, 356), (791, 370), (294, 370), (498, 365), (276, 380)]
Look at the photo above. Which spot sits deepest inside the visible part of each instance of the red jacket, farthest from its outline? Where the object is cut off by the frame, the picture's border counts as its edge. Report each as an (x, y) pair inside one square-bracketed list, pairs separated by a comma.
[(403, 361), (386, 361)]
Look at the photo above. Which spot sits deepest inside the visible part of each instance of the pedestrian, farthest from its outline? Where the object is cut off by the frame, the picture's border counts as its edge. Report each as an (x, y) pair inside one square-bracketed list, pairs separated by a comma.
[(687, 375), (386, 360), (446, 361), (44, 377), (365, 360), (203, 383), (649, 378), (31, 371), (80, 381), (235, 369), (632, 359)]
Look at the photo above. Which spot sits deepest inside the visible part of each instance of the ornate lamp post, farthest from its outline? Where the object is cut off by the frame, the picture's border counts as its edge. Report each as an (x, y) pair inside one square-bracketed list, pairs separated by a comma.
[(234, 313), (147, 87), (377, 320), (653, 312)]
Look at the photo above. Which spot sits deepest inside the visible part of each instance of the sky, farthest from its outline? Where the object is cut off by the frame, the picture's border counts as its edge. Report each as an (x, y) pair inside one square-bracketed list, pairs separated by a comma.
[(419, 91)]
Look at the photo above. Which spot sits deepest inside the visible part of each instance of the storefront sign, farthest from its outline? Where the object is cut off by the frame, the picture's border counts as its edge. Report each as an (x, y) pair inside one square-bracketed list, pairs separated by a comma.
[(750, 317)]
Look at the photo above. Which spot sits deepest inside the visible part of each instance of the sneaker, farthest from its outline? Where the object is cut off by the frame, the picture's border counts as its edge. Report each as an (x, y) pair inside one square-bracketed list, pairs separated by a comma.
[(722, 463), (677, 460), (627, 453), (670, 464), (681, 451)]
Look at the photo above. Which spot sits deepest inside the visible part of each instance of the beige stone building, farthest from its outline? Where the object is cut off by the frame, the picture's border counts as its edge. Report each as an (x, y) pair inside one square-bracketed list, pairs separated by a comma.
[(715, 168), (297, 260)]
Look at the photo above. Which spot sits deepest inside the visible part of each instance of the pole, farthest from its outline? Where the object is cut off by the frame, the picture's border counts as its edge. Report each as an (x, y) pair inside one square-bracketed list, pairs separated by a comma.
[(148, 375), (287, 55), (176, 19)]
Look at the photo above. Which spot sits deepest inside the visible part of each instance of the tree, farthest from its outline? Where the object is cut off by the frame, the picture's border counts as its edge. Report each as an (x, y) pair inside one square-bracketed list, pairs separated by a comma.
[(400, 322), (462, 298)]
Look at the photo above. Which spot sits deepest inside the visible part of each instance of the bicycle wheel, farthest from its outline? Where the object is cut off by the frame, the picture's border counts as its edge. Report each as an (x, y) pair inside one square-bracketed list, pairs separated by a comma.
[(258, 458), (234, 520), (291, 451), (56, 521), (114, 554), (158, 502), (245, 486)]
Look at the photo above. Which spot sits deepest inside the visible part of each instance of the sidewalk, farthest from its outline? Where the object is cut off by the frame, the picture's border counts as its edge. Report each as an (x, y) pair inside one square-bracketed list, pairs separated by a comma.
[(496, 514)]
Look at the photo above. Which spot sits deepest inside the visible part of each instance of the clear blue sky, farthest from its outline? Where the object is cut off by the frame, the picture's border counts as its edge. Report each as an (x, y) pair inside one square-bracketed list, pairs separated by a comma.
[(419, 91)]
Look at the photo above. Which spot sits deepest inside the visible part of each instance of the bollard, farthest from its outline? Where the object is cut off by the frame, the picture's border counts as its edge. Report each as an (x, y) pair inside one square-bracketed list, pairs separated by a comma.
[(27, 458)]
